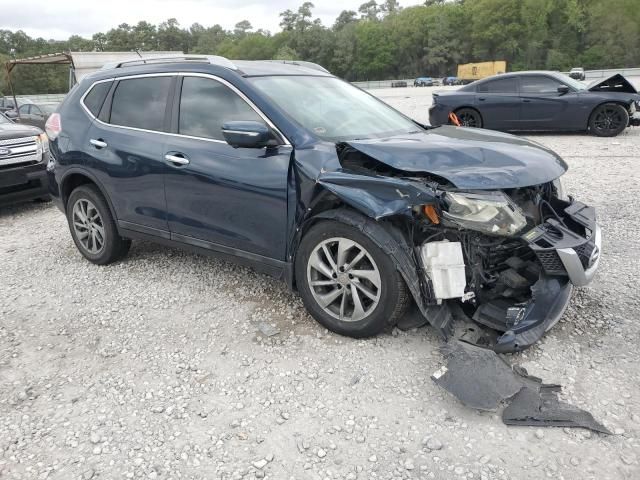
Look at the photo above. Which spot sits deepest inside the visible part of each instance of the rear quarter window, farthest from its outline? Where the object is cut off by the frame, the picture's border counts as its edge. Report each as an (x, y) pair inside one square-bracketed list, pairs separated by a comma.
[(95, 98)]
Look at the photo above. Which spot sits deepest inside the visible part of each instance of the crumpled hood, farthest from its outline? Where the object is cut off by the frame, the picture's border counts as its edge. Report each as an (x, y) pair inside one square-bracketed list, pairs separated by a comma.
[(615, 83), (469, 158)]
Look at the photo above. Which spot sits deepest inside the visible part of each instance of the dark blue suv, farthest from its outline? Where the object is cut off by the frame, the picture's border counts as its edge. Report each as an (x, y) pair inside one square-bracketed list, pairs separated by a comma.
[(365, 212)]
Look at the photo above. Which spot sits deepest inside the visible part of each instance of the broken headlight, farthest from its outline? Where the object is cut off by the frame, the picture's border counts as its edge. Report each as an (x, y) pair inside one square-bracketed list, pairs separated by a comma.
[(560, 191), (492, 213)]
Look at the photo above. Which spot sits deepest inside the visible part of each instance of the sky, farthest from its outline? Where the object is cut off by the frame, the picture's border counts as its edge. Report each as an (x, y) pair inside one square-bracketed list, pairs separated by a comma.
[(60, 19)]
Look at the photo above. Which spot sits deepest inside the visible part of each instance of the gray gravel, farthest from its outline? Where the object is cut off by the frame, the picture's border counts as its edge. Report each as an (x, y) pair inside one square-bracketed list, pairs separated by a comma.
[(167, 365)]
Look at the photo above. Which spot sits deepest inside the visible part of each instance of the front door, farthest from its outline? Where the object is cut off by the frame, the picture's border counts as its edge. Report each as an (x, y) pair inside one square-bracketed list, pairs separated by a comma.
[(544, 107), (218, 195)]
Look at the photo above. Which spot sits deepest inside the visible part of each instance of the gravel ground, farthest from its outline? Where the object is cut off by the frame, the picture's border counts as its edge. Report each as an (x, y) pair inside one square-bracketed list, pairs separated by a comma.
[(156, 367)]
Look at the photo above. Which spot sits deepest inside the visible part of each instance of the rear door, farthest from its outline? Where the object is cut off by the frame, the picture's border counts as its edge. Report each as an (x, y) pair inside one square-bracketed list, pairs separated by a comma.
[(228, 199), (544, 107), (499, 103), (125, 149)]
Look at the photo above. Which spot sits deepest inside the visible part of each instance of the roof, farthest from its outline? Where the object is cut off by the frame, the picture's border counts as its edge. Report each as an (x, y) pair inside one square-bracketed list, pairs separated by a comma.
[(255, 68)]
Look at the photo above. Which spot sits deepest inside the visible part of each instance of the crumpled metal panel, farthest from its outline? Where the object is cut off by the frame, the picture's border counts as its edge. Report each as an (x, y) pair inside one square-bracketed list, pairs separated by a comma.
[(467, 157), (483, 380)]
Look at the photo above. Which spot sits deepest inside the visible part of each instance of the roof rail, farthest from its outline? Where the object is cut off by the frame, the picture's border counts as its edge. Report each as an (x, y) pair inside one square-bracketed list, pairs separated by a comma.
[(210, 59), (302, 63)]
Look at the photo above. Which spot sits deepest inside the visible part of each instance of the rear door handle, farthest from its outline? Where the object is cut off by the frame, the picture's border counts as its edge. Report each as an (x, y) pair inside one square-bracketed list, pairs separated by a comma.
[(99, 143), (177, 159), (482, 99), (526, 100)]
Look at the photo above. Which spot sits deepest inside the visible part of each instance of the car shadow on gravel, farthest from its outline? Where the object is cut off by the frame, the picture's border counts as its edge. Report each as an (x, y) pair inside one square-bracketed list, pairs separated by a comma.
[(24, 208)]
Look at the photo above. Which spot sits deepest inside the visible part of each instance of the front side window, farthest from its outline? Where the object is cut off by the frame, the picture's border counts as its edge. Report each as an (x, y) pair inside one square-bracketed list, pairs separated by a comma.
[(206, 105), (334, 110), (24, 109), (500, 85), (539, 84), (140, 102)]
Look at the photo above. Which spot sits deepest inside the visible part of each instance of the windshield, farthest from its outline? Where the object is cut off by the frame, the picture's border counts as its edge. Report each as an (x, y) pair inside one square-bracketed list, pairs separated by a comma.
[(334, 110), (570, 82), (4, 119)]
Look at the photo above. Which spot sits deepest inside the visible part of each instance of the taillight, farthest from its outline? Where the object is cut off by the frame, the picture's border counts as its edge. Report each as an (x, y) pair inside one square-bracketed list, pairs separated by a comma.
[(53, 127)]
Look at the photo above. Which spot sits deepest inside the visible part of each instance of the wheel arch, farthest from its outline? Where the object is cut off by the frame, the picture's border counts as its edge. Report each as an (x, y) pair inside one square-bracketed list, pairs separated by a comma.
[(390, 239), (604, 102), (77, 177)]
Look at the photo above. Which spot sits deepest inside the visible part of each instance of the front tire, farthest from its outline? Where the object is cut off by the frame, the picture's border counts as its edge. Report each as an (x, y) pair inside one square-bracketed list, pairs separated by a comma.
[(92, 227), (347, 283), (608, 120)]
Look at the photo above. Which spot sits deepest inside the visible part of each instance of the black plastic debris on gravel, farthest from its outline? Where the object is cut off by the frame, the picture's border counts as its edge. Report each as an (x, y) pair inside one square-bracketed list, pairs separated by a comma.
[(483, 380)]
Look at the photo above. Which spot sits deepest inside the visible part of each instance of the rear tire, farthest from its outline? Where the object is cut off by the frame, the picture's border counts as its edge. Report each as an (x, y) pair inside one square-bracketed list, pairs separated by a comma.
[(329, 290), (608, 120), (469, 117), (92, 227)]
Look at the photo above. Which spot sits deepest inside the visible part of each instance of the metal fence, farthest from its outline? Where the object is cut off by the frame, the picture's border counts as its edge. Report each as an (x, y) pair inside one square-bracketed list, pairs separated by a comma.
[(381, 83), (44, 98)]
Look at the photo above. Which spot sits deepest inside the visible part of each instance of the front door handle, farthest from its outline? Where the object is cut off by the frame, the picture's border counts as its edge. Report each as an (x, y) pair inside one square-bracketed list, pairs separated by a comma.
[(177, 159), (482, 99), (526, 100), (99, 143)]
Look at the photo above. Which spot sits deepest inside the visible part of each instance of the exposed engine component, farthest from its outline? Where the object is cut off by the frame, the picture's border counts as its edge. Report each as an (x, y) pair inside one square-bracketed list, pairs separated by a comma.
[(444, 265)]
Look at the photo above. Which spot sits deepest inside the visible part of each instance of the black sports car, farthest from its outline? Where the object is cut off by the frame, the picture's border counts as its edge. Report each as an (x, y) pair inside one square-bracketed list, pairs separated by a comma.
[(543, 101)]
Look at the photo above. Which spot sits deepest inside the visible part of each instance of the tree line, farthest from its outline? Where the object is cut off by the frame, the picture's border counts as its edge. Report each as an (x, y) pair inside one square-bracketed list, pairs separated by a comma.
[(379, 41)]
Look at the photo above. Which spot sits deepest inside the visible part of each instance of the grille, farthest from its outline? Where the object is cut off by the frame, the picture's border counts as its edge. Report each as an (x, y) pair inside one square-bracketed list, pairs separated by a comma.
[(22, 150), (584, 252), (551, 262)]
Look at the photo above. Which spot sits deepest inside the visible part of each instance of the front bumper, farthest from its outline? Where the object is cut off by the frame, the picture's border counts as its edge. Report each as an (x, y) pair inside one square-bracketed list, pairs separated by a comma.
[(23, 183), (570, 248), (551, 296), (569, 254)]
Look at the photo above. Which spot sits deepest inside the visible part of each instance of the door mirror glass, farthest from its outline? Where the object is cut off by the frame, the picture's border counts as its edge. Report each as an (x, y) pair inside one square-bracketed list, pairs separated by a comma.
[(246, 134), (563, 89)]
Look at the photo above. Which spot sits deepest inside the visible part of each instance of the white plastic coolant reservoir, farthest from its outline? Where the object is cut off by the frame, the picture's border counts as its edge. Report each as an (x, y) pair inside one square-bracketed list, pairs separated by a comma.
[(444, 265)]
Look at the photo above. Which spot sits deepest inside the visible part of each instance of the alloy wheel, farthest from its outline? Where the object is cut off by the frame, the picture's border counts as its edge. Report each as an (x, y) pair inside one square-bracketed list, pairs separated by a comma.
[(344, 279), (88, 226), (468, 119), (608, 119)]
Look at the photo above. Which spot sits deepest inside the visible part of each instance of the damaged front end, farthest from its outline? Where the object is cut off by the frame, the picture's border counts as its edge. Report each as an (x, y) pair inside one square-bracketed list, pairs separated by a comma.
[(523, 252), (505, 260)]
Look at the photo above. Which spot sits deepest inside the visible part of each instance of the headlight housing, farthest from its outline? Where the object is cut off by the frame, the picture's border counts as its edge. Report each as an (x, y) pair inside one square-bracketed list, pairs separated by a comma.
[(42, 144), (561, 193), (492, 213)]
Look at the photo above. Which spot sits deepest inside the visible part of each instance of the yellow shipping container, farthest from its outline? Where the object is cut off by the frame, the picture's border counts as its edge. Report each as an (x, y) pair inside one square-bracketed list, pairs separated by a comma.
[(476, 71)]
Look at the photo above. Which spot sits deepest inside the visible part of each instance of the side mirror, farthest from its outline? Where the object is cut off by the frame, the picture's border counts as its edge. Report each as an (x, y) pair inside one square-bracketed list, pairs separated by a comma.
[(563, 89), (246, 134)]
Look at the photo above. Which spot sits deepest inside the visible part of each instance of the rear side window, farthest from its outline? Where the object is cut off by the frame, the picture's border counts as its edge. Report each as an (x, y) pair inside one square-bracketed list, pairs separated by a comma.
[(140, 102), (95, 98), (205, 105), (501, 85)]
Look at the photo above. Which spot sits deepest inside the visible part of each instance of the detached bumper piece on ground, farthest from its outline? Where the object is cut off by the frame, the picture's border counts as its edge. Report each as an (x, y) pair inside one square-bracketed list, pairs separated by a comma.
[(481, 379)]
